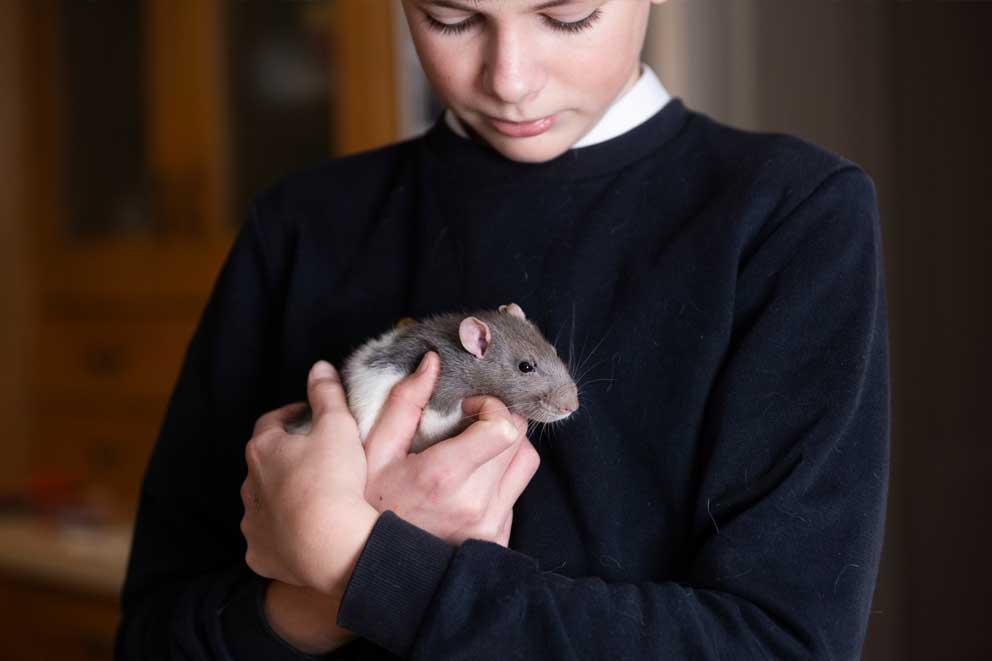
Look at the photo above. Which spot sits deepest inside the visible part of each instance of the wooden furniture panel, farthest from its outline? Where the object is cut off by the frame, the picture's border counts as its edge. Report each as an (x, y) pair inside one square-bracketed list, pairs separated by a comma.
[(43, 622), (118, 359), (109, 451), (115, 303)]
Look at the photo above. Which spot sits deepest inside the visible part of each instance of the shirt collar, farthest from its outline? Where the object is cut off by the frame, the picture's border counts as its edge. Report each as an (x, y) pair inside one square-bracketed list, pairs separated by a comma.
[(640, 102)]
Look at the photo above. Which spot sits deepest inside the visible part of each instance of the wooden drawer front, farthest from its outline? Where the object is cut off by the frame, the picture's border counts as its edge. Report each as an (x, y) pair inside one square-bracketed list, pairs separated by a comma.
[(41, 622), (119, 359), (109, 452)]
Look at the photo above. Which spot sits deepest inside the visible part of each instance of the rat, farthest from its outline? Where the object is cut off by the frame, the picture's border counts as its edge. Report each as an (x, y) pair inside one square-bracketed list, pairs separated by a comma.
[(489, 352)]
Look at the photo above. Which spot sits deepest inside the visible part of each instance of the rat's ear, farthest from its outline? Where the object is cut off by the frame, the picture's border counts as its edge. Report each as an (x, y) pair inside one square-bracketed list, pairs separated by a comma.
[(512, 309), (475, 336)]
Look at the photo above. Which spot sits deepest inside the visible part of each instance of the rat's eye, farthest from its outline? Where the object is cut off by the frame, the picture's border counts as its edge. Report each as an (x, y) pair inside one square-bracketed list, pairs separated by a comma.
[(526, 367)]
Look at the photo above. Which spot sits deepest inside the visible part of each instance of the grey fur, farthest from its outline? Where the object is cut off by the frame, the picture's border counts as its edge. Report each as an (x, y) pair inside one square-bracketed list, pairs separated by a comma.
[(497, 373), (535, 395)]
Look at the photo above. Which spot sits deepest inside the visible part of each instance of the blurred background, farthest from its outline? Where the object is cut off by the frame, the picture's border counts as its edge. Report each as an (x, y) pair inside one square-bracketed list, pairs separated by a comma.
[(133, 133)]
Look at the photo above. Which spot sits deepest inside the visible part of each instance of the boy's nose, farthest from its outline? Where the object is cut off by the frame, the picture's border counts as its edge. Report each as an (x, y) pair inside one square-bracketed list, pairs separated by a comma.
[(512, 72)]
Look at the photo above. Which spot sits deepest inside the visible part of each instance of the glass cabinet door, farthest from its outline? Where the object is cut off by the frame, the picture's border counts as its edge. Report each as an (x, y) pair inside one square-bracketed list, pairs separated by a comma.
[(152, 125), (171, 114)]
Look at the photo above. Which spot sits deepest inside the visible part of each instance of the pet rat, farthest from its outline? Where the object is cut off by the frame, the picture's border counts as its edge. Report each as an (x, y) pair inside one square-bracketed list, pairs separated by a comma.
[(490, 352)]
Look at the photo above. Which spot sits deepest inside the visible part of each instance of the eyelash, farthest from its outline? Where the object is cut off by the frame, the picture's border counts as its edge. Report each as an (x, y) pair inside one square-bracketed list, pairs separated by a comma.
[(458, 28)]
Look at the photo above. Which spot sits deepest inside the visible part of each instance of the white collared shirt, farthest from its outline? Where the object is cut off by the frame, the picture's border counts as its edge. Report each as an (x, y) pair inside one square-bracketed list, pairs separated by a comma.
[(640, 102)]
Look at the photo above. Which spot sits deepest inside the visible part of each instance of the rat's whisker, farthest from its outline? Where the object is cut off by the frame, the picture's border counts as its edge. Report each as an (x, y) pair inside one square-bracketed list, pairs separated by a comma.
[(586, 383), (557, 335), (571, 345), (595, 348), (588, 369)]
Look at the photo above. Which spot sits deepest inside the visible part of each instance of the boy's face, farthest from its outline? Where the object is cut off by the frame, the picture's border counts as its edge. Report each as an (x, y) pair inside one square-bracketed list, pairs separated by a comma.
[(518, 76)]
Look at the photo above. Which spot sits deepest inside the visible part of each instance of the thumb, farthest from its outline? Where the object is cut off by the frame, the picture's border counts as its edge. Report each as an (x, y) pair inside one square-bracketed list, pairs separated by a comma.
[(327, 397), (396, 426)]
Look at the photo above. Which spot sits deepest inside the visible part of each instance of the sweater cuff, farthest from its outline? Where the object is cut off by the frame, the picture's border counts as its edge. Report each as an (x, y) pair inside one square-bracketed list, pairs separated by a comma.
[(393, 583), (247, 632)]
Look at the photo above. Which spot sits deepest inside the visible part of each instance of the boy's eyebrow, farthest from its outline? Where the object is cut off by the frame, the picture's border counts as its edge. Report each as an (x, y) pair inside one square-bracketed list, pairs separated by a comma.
[(478, 3)]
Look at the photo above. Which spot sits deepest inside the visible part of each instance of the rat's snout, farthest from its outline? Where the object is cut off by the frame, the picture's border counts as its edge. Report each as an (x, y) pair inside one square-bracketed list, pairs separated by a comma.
[(565, 400)]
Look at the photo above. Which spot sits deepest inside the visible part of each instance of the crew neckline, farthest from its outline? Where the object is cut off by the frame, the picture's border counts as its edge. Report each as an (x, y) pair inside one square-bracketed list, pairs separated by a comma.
[(465, 159)]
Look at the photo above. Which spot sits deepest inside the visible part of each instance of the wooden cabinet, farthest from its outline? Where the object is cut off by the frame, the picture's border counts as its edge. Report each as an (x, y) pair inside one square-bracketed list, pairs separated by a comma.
[(145, 129), (44, 621), (59, 589), (151, 126)]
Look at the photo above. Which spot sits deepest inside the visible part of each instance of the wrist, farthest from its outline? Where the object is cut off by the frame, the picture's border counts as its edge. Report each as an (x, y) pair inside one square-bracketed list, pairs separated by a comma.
[(304, 618), (349, 539)]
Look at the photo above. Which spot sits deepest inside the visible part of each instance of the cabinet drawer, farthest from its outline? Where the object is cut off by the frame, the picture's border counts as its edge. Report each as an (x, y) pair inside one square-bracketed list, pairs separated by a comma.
[(110, 452), (43, 622), (119, 359)]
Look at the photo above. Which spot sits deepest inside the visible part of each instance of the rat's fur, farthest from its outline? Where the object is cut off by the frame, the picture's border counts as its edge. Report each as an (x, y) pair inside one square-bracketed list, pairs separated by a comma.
[(542, 394)]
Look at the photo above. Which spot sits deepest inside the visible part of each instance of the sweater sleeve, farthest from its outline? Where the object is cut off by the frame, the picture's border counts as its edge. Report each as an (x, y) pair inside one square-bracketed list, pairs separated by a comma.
[(188, 593), (789, 521)]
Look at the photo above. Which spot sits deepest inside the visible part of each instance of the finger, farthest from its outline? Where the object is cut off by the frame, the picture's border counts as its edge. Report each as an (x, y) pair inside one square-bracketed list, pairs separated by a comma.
[(326, 395), (504, 532), (491, 435), (488, 477), (246, 491), (473, 407), (393, 432), (278, 418), (523, 466)]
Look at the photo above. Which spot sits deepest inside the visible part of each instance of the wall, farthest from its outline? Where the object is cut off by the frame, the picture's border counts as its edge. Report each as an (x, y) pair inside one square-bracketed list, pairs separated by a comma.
[(902, 88), (827, 72)]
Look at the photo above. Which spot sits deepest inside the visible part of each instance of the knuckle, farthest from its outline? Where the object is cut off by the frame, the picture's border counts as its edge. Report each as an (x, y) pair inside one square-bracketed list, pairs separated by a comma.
[(475, 513), (246, 528), (261, 423), (441, 481), (253, 454), (504, 429), (488, 530), (531, 458), (495, 405), (493, 531), (327, 387)]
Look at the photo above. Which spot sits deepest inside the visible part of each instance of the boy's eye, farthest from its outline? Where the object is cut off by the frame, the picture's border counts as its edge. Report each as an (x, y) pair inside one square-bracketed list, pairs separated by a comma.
[(468, 23), (526, 366), (574, 26), (451, 28)]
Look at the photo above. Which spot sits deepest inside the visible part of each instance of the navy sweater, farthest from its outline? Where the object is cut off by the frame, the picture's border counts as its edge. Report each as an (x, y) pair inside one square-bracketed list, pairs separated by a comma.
[(719, 495)]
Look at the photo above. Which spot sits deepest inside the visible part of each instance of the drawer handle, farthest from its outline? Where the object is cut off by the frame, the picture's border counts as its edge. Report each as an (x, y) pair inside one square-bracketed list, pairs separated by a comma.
[(106, 361), (104, 455)]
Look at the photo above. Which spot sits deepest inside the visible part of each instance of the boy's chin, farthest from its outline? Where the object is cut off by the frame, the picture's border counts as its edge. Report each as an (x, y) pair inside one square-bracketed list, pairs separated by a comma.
[(531, 150)]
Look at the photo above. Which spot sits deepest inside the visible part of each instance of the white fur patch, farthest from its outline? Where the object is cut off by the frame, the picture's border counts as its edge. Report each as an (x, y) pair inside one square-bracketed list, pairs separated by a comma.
[(368, 387), (436, 426)]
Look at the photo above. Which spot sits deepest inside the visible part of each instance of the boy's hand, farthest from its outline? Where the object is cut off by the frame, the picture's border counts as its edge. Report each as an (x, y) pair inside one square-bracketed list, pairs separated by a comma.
[(306, 519), (460, 488)]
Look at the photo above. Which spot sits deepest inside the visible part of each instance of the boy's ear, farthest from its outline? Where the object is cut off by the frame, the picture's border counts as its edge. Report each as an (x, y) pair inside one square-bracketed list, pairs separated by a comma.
[(475, 336)]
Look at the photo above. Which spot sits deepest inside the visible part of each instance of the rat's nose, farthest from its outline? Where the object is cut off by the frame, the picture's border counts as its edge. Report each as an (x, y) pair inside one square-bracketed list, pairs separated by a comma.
[(568, 402)]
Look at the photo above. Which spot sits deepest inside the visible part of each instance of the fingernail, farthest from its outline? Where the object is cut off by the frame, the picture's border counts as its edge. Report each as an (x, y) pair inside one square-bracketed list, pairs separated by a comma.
[(424, 363), (323, 370)]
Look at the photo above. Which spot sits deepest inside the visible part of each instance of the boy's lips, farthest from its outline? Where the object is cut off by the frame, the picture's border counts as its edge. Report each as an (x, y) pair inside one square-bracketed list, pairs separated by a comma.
[(522, 129)]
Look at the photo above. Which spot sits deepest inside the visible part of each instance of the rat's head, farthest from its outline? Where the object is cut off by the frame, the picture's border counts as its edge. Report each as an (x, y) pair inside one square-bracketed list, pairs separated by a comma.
[(513, 361)]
